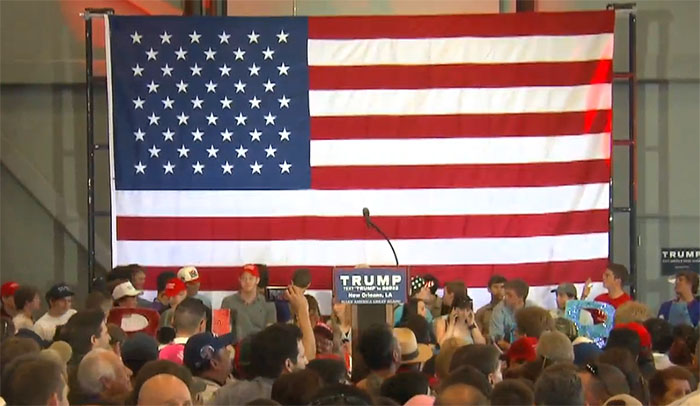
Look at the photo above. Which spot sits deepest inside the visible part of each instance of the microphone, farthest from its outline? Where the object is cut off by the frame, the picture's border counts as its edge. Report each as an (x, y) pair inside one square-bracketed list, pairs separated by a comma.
[(365, 214), (370, 224)]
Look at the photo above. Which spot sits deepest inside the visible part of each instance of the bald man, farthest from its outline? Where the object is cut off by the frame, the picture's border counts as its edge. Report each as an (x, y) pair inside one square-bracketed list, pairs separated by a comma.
[(462, 395), (164, 389)]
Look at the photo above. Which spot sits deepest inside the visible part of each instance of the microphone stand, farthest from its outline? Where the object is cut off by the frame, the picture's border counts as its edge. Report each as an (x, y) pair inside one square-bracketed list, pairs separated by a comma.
[(363, 316), (379, 230)]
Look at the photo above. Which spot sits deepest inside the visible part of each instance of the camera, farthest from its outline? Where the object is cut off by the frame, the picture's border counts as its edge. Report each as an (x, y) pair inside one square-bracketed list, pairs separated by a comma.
[(275, 293)]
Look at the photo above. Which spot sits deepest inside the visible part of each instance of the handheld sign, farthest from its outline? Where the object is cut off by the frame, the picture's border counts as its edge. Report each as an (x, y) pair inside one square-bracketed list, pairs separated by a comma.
[(596, 332), (370, 285), (221, 322)]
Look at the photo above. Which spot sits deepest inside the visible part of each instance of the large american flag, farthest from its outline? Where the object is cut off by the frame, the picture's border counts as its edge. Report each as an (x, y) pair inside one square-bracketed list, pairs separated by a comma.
[(480, 143)]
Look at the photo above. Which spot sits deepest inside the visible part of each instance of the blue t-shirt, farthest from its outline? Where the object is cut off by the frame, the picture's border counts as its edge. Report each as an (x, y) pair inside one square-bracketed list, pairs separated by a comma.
[(675, 313)]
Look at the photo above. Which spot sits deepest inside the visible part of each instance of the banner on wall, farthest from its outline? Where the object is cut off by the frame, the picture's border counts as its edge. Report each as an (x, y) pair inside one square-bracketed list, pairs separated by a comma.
[(674, 260)]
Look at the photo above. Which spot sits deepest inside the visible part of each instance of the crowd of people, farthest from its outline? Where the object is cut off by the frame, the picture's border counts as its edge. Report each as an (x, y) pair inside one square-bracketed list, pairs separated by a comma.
[(275, 346)]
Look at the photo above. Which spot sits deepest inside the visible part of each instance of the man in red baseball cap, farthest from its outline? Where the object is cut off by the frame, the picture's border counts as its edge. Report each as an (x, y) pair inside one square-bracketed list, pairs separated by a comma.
[(250, 312), (176, 292), (521, 351), (8, 299)]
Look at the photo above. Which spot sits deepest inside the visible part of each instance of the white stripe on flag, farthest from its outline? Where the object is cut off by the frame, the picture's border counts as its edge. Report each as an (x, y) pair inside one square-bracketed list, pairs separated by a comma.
[(438, 51), (329, 253), (507, 100), (437, 202), (446, 151)]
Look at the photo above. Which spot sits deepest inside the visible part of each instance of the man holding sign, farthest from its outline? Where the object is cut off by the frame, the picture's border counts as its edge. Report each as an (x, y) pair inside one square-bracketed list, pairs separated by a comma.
[(566, 292)]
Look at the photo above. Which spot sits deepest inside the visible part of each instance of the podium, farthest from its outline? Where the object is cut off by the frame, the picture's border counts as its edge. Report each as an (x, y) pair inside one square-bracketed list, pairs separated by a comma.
[(373, 293)]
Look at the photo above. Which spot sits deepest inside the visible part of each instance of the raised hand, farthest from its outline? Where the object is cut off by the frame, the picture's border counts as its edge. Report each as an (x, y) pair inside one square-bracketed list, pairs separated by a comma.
[(586, 288), (297, 301)]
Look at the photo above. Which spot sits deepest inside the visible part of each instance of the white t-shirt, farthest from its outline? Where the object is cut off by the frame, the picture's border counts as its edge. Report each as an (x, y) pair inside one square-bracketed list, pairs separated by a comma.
[(22, 321), (46, 325)]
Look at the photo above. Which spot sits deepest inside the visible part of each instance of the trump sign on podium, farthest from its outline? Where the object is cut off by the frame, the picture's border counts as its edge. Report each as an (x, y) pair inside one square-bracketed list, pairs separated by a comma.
[(370, 285)]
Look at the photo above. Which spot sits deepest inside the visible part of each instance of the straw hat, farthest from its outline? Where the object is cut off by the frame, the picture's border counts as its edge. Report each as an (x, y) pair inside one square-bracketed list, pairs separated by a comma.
[(411, 351)]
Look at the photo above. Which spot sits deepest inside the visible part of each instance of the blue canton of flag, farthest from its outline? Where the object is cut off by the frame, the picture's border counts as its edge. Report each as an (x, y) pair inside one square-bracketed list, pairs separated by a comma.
[(210, 103)]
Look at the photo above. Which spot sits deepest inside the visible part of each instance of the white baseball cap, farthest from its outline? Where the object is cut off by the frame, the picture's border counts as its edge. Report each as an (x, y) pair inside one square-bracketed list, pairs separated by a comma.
[(188, 274), (123, 290)]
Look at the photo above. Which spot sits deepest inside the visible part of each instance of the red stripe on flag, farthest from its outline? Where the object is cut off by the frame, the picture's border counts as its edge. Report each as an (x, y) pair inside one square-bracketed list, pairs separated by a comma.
[(353, 228), (487, 25), (459, 176), (459, 76), (552, 273), (466, 125)]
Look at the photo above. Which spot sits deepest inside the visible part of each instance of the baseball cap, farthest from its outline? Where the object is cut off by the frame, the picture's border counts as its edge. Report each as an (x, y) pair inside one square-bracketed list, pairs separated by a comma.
[(163, 279), (139, 349), (174, 287), (417, 284), (59, 291), (123, 290), (251, 269), (568, 288), (323, 330), (522, 349), (9, 288), (188, 274), (202, 347), (585, 352), (642, 332)]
